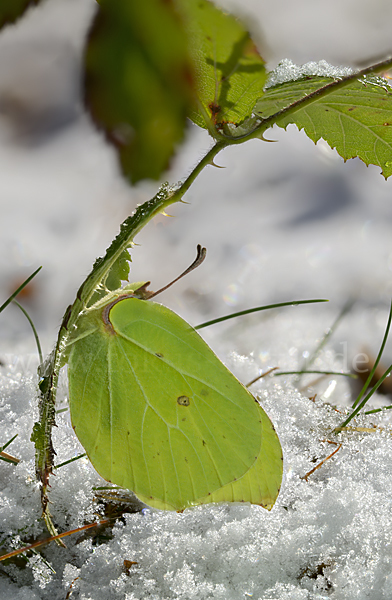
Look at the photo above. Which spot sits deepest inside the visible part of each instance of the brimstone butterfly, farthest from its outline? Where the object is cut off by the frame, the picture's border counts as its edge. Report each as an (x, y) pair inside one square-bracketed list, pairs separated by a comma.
[(158, 413)]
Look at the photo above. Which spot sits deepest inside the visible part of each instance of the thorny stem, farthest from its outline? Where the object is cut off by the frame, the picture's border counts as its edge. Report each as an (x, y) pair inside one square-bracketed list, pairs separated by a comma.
[(49, 371)]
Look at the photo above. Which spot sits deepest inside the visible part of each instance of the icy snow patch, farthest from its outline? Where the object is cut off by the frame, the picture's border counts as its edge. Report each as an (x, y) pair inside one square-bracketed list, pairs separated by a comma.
[(288, 71), (328, 536)]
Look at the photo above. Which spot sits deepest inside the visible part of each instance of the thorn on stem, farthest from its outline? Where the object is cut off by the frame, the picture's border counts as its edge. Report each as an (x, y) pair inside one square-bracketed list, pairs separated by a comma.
[(262, 138), (213, 164)]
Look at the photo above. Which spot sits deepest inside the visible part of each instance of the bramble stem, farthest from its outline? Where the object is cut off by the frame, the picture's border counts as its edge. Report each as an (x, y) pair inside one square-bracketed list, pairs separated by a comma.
[(49, 371)]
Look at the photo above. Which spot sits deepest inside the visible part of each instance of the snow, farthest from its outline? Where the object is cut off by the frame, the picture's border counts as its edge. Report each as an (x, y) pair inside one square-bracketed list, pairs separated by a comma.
[(282, 221), (325, 537), (288, 71)]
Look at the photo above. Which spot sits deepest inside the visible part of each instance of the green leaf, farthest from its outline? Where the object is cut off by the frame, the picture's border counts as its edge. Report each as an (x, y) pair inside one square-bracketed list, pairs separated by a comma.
[(159, 414), (119, 272), (355, 119), (11, 10), (230, 71), (283, 95), (138, 82)]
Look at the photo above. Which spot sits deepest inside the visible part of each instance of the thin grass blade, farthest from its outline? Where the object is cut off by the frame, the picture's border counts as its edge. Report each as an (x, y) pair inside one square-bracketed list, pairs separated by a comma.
[(377, 410), (20, 288), (7, 457), (370, 376), (41, 358), (257, 309), (308, 362), (364, 401), (67, 462), (350, 375)]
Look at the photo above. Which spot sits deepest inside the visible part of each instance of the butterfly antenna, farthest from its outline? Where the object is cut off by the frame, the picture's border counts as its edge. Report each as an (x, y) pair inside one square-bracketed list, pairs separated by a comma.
[(201, 254)]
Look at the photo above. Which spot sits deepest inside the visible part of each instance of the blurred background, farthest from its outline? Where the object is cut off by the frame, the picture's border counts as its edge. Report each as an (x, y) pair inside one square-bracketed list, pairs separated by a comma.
[(284, 220)]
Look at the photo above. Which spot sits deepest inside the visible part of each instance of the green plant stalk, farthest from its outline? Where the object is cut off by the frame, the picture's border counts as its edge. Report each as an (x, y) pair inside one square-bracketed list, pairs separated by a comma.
[(49, 371)]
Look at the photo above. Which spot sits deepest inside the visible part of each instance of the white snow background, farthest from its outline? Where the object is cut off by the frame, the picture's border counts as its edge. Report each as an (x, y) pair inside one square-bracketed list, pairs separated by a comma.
[(283, 221)]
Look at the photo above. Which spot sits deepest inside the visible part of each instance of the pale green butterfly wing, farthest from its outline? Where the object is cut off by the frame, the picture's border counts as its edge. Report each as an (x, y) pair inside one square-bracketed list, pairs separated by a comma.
[(158, 413), (261, 484), (155, 409)]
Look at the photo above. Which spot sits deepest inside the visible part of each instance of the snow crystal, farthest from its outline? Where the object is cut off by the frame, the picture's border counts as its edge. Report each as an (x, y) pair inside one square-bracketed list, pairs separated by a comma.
[(288, 71)]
